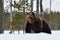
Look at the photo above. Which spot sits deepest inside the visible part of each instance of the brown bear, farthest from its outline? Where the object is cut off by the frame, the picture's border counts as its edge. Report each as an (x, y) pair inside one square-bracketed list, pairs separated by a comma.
[(35, 24)]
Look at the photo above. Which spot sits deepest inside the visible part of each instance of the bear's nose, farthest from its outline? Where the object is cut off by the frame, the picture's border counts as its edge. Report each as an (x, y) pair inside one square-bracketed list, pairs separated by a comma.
[(28, 19)]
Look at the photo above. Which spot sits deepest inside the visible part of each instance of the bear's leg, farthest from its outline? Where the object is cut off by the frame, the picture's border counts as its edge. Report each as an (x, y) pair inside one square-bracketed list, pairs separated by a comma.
[(28, 29), (46, 28)]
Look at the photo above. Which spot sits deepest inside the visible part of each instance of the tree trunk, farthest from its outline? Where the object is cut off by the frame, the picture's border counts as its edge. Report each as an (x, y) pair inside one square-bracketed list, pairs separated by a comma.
[(31, 5), (41, 7), (10, 16), (1, 14), (37, 7)]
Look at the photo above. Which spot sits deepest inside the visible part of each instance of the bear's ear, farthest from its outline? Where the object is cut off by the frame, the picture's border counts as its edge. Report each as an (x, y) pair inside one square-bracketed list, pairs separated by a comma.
[(27, 13), (33, 13)]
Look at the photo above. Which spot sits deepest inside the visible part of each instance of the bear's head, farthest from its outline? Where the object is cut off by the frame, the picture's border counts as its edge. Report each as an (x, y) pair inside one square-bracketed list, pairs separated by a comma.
[(30, 17)]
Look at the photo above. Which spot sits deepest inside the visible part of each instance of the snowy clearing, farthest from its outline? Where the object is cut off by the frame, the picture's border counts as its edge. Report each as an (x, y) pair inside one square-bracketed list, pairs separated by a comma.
[(23, 36)]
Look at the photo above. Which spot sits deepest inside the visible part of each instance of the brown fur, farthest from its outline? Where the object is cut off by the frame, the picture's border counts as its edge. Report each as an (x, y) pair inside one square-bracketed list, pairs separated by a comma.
[(37, 25)]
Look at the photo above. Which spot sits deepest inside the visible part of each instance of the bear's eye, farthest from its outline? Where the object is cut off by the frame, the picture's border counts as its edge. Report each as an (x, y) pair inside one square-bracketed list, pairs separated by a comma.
[(27, 13)]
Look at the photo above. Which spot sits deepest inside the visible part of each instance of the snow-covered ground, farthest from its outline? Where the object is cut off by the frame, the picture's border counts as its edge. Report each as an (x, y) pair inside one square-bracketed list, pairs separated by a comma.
[(23, 36)]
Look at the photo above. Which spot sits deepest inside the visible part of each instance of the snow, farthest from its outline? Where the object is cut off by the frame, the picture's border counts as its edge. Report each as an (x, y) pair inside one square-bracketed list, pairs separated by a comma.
[(23, 36)]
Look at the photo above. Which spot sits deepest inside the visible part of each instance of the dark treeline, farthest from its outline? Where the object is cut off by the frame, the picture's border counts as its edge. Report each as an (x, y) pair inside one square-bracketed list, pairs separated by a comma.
[(19, 20), (53, 19)]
